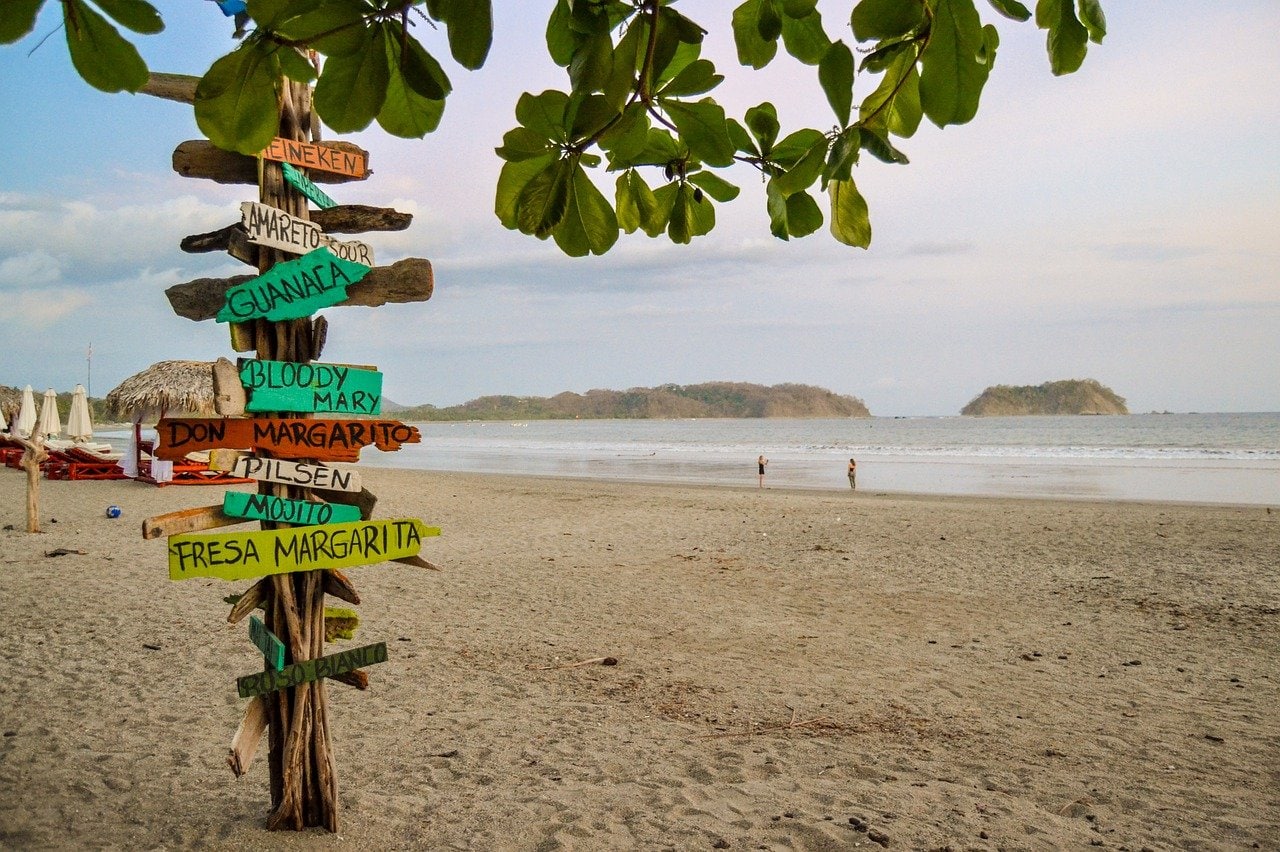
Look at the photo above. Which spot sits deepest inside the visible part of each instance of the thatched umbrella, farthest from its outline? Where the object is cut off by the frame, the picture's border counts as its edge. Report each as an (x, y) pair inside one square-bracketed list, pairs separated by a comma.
[(177, 386)]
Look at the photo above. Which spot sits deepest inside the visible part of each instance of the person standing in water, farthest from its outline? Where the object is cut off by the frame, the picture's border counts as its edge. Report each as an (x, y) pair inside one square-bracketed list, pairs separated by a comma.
[(761, 462), (853, 474)]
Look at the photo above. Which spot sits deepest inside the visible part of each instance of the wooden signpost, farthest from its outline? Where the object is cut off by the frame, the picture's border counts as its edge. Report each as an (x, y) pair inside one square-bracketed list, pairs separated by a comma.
[(290, 438), (331, 388), (260, 553), (304, 185), (354, 163), (297, 473), (267, 226), (282, 510), (268, 643), (294, 289), (260, 683)]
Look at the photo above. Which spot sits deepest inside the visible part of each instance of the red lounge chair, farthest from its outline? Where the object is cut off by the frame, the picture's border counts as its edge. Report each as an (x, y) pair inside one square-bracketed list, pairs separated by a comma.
[(80, 463)]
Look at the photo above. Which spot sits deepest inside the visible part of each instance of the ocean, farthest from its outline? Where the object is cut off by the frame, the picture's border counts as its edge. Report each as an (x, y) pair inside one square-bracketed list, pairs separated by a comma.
[(1197, 458)]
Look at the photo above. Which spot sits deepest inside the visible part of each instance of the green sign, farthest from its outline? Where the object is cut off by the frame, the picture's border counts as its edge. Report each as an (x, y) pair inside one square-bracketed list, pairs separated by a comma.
[(332, 388), (268, 643), (293, 289), (260, 683), (264, 507), (303, 184), (259, 553)]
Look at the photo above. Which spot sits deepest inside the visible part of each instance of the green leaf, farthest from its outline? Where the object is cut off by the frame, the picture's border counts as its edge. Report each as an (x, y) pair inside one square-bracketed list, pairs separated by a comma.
[(17, 18), (99, 53), (512, 180), (850, 221), (769, 21), (335, 28), (589, 225), (900, 99), (541, 205), (835, 73), (626, 61), (885, 53), (470, 25), (805, 171), (763, 122), (421, 71), (405, 112), (1093, 19), (294, 65), (626, 138), (702, 127), (690, 216), (638, 207), (269, 13), (686, 30), (798, 8), (880, 146), (588, 114), (592, 65), (741, 139), (874, 20), (660, 148), (953, 75), (715, 186), (697, 77), (754, 50), (137, 15), (352, 88), (521, 143), (790, 150), (235, 102), (1068, 38), (1011, 9), (562, 40), (776, 205), (544, 113), (804, 216), (805, 39), (843, 156)]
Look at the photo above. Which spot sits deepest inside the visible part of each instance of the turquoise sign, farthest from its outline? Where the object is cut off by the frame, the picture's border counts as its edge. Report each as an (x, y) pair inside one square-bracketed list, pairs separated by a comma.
[(331, 388), (306, 513), (294, 289), (303, 184), (268, 643)]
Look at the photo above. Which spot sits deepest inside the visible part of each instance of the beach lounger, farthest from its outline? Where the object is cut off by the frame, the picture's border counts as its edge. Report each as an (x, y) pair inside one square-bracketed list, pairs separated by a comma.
[(191, 470), (81, 463)]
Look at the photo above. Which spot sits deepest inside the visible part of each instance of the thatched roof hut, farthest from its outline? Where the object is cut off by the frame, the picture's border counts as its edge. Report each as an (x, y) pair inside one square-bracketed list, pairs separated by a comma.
[(166, 387)]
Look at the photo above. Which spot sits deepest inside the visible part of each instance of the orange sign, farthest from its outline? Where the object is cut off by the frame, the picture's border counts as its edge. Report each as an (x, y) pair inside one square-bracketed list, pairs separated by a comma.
[(352, 163), (326, 440)]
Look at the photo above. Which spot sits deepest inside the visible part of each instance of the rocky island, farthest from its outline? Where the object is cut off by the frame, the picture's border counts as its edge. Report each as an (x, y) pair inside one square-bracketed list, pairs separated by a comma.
[(1069, 396)]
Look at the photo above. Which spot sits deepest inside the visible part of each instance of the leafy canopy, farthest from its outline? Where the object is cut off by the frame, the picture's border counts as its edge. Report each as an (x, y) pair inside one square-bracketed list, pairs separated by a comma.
[(638, 100)]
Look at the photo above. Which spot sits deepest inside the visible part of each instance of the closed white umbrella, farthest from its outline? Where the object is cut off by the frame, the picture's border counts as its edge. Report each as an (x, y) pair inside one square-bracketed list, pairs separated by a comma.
[(3, 423), (79, 424), (26, 420), (49, 425)]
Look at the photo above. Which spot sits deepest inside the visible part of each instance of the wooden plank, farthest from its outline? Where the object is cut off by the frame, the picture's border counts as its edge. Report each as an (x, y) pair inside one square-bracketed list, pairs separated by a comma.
[(332, 480), (334, 388), (303, 184), (187, 520), (200, 158), (229, 397), (408, 280), (244, 745), (261, 683), (275, 228), (325, 158), (360, 219), (293, 289), (282, 510), (287, 438), (259, 553), (268, 643)]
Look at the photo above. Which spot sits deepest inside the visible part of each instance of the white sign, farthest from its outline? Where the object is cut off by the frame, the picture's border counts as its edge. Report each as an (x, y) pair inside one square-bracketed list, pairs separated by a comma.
[(274, 228)]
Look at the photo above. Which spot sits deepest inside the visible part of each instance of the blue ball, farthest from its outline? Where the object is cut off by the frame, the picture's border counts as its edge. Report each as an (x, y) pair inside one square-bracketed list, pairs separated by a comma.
[(113, 511)]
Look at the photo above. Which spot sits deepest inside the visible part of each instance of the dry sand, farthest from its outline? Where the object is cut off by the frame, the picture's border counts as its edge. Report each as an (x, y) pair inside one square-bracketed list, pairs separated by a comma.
[(796, 670)]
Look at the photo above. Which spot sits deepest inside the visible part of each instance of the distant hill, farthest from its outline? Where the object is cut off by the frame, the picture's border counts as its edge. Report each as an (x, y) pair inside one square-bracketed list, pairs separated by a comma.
[(1069, 396), (712, 399)]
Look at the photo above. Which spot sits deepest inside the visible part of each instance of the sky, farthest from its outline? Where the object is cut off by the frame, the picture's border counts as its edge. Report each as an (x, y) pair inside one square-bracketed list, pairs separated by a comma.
[(1119, 224)]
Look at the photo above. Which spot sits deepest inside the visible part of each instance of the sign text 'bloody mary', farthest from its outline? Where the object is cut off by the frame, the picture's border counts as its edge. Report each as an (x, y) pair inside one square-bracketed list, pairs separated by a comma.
[(353, 163), (327, 440), (294, 289), (335, 388), (268, 643), (260, 553), (260, 683), (282, 510), (269, 226), (297, 473), (303, 184)]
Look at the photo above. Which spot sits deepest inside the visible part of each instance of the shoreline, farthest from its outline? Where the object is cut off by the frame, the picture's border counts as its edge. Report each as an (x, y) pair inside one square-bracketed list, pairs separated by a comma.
[(796, 669)]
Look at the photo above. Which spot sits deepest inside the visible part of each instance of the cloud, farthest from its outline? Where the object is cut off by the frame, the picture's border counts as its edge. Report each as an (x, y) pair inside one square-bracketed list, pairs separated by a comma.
[(33, 269), (37, 311)]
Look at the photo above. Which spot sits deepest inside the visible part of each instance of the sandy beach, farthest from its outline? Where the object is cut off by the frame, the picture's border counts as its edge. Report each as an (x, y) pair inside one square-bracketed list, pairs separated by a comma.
[(795, 670)]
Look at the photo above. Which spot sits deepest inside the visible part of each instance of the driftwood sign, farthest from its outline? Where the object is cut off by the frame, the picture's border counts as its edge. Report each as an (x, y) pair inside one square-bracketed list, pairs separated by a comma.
[(326, 440), (282, 510), (294, 289), (326, 158), (269, 226), (297, 473), (200, 158), (303, 184), (408, 280), (332, 388), (259, 553), (260, 683), (268, 643)]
